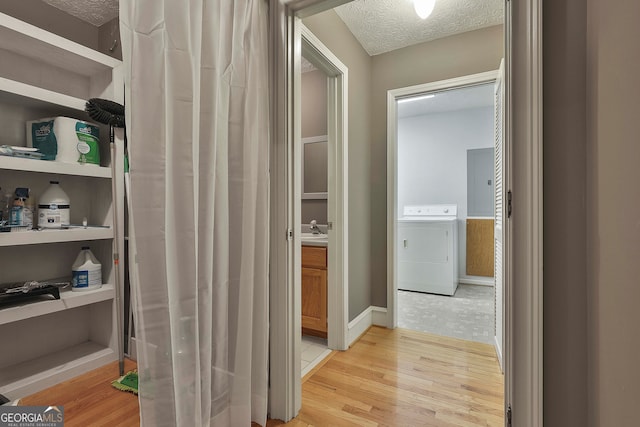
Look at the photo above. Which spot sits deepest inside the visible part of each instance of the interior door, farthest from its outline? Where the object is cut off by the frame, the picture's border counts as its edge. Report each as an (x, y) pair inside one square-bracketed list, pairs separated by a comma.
[(499, 213)]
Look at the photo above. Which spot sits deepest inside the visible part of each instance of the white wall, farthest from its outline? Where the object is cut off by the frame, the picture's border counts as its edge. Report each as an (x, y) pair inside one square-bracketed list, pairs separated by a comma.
[(432, 161)]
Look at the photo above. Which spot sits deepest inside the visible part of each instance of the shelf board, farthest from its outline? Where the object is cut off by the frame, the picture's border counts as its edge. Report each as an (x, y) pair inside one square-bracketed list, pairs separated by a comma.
[(18, 93), (28, 40), (51, 167), (34, 375), (27, 309), (54, 236)]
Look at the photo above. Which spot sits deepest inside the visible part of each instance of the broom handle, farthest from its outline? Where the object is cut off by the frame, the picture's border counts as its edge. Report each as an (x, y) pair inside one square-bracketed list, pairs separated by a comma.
[(116, 251)]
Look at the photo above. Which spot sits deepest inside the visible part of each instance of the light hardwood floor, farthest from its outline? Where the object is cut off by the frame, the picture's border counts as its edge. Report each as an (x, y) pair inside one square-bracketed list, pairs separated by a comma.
[(388, 378), (405, 378)]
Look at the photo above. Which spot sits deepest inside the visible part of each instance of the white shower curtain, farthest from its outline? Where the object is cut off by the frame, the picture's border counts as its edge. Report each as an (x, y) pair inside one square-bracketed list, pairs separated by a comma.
[(197, 123)]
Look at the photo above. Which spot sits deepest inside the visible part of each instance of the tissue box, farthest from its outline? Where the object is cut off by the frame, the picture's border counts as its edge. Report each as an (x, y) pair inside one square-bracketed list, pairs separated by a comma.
[(66, 140)]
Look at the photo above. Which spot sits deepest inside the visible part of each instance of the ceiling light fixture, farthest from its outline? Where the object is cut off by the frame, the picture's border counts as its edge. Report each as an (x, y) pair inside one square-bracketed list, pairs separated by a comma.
[(415, 98), (424, 7)]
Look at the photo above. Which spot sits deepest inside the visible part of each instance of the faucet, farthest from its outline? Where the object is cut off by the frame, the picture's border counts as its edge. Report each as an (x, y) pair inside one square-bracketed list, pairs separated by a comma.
[(313, 225)]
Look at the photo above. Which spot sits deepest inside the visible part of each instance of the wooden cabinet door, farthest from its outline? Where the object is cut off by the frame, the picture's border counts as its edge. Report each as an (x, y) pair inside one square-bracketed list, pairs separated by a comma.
[(314, 301), (480, 247)]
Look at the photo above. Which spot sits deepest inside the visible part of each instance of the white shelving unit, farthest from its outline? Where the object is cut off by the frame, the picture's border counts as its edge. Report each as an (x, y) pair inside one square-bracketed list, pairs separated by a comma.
[(28, 165), (44, 305), (55, 236), (46, 341)]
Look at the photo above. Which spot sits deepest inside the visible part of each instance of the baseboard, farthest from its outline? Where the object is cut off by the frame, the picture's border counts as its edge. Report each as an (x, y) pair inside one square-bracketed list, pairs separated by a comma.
[(372, 315), (378, 316), (498, 352), (476, 281), (359, 325)]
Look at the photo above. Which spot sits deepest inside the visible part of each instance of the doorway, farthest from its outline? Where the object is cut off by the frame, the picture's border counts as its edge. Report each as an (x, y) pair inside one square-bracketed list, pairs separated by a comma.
[(442, 254), (314, 240), (523, 45), (445, 204)]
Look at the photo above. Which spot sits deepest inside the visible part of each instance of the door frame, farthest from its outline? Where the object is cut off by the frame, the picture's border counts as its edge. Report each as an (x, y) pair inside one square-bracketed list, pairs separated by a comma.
[(286, 38), (523, 124), (338, 184), (392, 171)]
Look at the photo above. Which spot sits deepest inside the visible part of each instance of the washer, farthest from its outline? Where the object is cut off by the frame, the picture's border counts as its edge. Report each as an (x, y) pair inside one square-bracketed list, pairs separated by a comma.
[(427, 243)]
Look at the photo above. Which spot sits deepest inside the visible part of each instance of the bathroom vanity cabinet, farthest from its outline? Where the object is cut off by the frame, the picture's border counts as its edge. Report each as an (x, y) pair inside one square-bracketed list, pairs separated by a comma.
[(314, 291), (47, 341)]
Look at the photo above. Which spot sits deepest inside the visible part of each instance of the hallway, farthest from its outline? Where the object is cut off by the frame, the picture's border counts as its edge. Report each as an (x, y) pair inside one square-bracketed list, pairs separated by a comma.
[(387, 378)]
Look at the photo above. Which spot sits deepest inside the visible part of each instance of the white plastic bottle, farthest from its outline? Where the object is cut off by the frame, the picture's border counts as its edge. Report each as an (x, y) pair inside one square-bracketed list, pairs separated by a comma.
[(54, 207), (87, 271)]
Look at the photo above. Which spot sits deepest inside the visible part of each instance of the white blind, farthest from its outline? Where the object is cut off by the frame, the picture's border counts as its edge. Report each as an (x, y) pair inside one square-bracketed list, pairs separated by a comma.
[(498, 123), (499, 204)]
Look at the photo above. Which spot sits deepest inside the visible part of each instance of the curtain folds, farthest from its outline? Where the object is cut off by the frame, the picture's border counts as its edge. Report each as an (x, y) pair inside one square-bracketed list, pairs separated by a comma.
[(196, 76)]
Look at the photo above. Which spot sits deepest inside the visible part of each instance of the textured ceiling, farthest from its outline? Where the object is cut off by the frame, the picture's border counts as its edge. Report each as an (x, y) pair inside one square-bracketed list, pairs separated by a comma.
[(96, 12), (385, 25), (449, 100)]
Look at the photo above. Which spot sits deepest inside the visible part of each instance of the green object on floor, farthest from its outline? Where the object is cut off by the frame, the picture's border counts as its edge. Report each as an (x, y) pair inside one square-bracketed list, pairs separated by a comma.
[(128, 382)]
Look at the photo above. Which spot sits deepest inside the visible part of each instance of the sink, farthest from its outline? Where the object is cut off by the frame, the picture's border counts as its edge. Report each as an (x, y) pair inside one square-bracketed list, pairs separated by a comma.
[(311, 236)]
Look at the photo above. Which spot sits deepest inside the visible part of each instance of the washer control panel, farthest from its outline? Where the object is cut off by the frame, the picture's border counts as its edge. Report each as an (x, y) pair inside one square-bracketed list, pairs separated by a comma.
[(431, 210)]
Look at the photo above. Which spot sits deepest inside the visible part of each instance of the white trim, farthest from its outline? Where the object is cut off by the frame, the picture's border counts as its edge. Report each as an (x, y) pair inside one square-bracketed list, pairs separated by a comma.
[(337, 184), (524, 237), (285, 390), (379, 316), (392, 173), (286, 43), (496, 344), (359, 325), (477, 282), (312, 139), (372, 315)]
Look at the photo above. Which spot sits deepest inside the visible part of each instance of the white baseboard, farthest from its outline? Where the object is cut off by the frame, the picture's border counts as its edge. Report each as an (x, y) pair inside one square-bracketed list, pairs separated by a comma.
[(372, 315), (378, 316), (476, 281), (498, 352), (359, 325)]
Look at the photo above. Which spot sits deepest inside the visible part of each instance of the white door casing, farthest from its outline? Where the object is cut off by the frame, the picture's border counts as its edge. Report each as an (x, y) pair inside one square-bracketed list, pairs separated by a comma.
[(392, 173), (337, 145), (286, 36)]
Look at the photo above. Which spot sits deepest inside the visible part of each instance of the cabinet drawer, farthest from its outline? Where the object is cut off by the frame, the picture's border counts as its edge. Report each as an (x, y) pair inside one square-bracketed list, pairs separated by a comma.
[(314, 257)]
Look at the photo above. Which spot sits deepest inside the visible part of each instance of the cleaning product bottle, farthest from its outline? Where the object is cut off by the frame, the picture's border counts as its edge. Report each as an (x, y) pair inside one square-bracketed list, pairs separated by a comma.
[(21, 214), (54, 207), (18, 210), (87, 271)]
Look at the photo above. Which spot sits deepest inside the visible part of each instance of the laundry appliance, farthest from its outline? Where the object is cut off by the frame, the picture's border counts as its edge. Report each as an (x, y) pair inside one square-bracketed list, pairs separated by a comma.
[(427, 249)]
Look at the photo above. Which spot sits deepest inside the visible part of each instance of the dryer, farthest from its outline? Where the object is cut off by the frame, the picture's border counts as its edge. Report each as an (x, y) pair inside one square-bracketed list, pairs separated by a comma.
[(427, 249)]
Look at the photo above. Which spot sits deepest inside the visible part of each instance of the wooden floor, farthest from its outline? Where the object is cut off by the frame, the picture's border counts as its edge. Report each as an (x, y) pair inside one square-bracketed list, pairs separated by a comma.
[(90, 400), (388, 378), (405, 378)]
